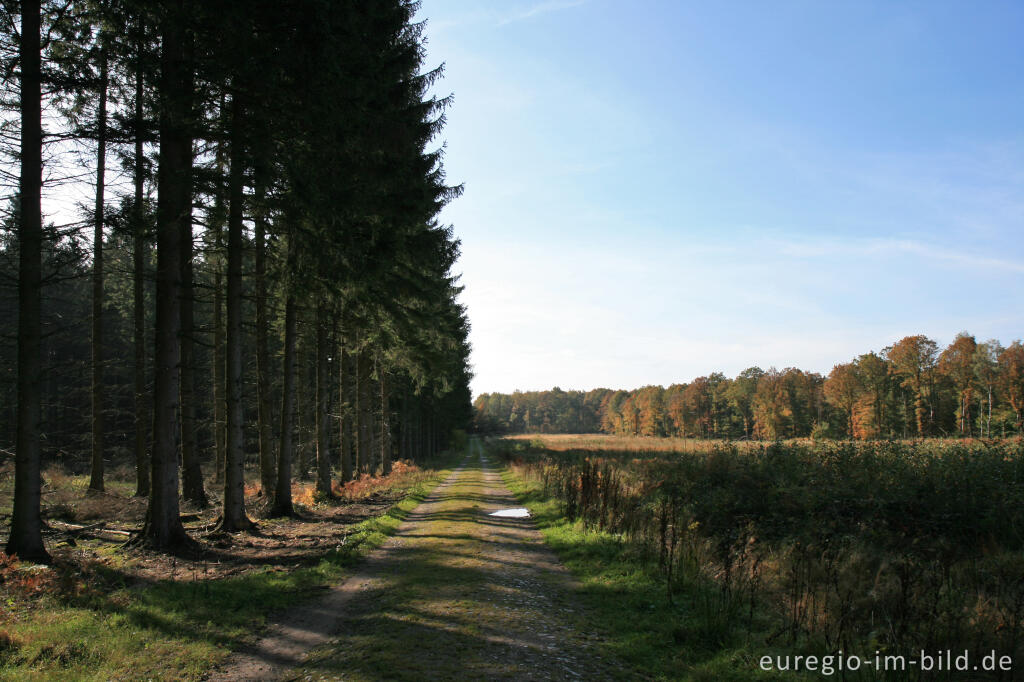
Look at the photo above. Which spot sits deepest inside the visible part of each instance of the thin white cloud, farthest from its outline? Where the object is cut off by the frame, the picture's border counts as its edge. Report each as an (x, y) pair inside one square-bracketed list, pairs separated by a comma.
[(949, 255), (874, 247), (628, 311), (541, 8)]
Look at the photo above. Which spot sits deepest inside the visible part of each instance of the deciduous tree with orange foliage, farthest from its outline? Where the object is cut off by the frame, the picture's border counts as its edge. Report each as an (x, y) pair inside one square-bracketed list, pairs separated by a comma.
[(957, 363), (843, 388), (741, 396), (697, 399), (909, 389), (986, 374), (913, 360), (772, 410), (874, 377), (1011, 364)]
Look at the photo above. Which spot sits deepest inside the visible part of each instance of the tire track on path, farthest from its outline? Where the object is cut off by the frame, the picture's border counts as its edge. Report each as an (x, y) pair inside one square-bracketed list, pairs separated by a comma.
[(455, 594)]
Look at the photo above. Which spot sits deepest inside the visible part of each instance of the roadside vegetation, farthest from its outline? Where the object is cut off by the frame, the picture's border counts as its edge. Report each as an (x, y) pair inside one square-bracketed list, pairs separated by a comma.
[(707, 558)]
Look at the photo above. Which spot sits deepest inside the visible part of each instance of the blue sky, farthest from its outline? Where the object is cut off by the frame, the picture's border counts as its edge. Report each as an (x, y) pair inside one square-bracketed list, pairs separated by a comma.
[(658, 190)]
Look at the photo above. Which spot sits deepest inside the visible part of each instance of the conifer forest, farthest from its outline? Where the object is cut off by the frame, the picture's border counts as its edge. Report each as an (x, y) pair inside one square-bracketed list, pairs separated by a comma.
[(247, 270), (248, 432)]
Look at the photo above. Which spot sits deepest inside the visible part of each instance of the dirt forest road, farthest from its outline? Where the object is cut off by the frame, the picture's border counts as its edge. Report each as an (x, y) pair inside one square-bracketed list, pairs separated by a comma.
[(456, 594)]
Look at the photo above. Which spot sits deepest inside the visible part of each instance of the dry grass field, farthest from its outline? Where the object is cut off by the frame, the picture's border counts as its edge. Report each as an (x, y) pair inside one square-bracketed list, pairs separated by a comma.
[(794, 546)]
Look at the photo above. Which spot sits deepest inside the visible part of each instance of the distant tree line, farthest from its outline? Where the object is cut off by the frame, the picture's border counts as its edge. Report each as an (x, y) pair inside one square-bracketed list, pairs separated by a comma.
[(256, 271), (909, 389)]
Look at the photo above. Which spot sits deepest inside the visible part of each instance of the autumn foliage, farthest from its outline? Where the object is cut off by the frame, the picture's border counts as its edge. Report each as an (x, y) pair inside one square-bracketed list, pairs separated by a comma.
[(403, 473), (908, 390)]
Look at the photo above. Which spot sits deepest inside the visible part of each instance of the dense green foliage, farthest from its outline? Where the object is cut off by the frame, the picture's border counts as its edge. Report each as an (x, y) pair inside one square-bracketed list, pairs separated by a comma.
[(895, 546), (909, 389)]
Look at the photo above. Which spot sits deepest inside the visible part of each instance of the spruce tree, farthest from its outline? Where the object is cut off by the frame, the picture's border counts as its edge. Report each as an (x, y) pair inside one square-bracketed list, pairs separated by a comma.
[(26, 540)]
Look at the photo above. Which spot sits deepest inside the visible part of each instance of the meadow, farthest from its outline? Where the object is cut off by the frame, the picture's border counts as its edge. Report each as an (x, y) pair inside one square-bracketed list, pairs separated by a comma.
[(635, 444), (873, 548)]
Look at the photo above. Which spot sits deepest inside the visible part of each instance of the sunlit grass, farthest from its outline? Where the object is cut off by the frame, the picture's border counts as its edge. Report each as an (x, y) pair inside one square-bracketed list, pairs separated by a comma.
[(626, 603), (101, 628)]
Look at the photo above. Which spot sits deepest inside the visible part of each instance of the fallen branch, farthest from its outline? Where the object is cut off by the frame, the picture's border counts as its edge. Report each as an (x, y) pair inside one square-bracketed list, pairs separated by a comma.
[(75, 529), (95, 530)]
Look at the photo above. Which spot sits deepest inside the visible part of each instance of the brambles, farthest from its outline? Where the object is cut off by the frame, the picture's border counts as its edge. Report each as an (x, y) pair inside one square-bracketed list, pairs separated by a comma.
[(895, 546)]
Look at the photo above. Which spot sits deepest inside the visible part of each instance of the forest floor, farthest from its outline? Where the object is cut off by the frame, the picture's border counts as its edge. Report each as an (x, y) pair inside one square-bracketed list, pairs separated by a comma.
[(106, 611), (456, 593), (88, 530)]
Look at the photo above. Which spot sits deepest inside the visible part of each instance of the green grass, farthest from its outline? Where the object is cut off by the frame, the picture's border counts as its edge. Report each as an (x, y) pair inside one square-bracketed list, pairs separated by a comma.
[(627, 602), (393, 632), (169, 629)]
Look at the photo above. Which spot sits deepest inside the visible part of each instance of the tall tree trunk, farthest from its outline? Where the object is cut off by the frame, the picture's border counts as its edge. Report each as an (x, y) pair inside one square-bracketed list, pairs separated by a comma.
[(414, 431), (403, 446), (26, 539), (192, 487), (385, 423), (192, 472), (424, 444), (344, 408), (323, 453), (372, 423), (432, 440), (418, 437), (363, 413), (219, 384), (267, 465), (305, 408), (234, 517), (282, 505), (219, 420), (981, 415), (357, 418), (163, 529), (283, 490), (96, 475), (427, 439), (139, 292)]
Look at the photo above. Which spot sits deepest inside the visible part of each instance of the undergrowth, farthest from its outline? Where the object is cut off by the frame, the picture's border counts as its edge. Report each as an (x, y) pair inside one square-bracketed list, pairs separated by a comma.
[(709, 560)]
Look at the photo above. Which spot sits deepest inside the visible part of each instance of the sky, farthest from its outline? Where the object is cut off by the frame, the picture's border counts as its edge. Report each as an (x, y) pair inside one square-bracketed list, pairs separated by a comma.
[(658, 190)]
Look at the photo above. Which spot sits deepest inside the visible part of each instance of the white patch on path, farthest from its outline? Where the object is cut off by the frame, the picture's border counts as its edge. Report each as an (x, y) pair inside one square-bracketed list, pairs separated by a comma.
[(517, 513)]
